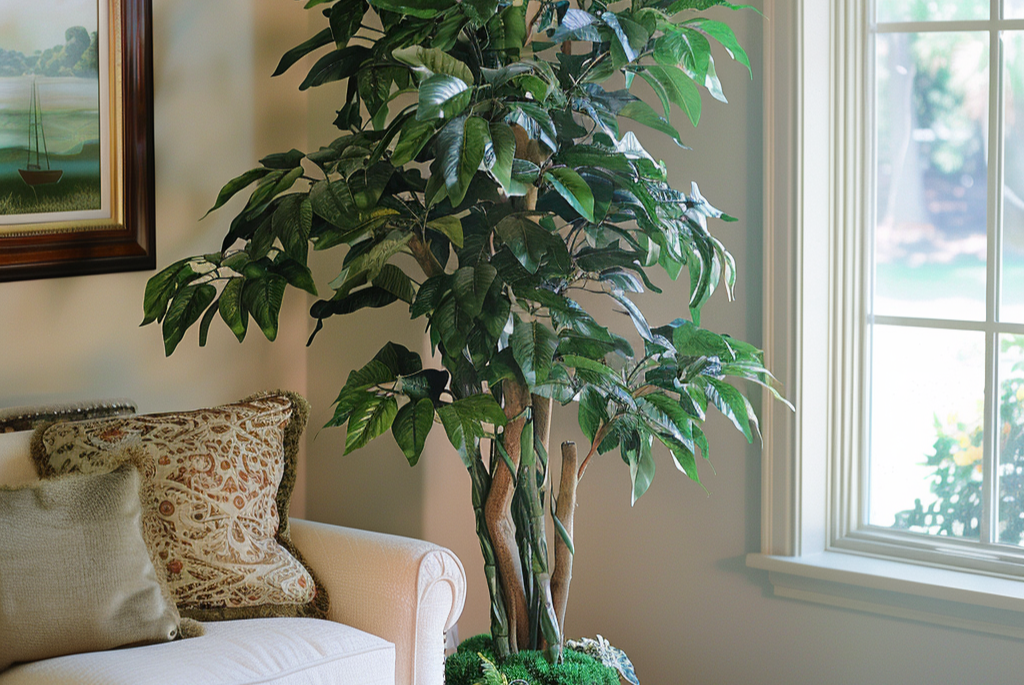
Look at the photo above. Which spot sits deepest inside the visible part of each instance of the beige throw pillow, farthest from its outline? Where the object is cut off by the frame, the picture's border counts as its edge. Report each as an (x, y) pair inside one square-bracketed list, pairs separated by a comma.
[(75, 575), (215, 494)]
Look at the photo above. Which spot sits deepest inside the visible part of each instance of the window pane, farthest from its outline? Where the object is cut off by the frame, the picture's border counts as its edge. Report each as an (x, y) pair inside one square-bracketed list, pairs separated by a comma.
[(1014, 9), (1012, 305), (932, 10), (931, 119), (927, 404), (1011, 440)]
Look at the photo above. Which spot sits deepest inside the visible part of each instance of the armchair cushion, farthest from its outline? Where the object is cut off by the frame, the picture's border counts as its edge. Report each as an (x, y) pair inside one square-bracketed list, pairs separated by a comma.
[(266, 651), (75, 575), (216, 488)]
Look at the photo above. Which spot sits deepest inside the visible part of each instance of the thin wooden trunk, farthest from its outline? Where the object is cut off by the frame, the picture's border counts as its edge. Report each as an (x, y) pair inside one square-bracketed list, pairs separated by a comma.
[(565, 509), (500, 525)]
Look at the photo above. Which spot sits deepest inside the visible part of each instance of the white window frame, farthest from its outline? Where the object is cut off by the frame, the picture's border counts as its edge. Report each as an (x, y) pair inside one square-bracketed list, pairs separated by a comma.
[(816, 57)]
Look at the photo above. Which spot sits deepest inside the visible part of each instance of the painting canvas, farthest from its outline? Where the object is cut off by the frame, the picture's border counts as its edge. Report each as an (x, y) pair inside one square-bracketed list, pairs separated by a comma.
[(54, 113)]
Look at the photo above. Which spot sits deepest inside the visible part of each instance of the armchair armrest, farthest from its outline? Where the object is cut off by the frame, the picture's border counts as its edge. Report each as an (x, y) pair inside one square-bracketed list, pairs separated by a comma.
[(406, 591)]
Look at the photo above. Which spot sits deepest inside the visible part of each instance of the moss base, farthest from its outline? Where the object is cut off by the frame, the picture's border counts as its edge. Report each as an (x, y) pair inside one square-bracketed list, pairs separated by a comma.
[(465, 667)]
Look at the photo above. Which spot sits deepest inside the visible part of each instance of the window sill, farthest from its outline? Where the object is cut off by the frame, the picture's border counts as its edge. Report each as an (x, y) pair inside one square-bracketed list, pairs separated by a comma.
[(942, 596)]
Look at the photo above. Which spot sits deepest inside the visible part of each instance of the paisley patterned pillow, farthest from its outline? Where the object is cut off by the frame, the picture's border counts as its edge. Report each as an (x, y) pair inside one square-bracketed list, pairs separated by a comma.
[(215, 494)]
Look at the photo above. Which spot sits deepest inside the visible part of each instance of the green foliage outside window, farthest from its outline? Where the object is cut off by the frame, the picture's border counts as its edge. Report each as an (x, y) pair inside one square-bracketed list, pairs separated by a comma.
[(957, 477)]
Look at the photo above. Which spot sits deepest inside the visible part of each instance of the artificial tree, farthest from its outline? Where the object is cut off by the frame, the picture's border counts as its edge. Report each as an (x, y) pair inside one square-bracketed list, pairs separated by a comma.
[(532, 193)]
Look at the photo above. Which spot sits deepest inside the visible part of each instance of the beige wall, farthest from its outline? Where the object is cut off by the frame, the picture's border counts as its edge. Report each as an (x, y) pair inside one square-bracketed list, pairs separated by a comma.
[(665, 580)]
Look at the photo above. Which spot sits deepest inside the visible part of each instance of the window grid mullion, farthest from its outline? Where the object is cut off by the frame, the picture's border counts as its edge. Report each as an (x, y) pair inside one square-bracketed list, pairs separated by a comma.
[(866, 341), (990, 484)]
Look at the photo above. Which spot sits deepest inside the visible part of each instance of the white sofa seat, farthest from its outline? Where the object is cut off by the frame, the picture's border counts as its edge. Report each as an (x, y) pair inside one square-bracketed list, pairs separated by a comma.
[(277, 651)]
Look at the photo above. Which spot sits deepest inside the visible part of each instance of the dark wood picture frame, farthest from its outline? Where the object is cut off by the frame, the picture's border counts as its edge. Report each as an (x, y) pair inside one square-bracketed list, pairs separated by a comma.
[(126, 241)]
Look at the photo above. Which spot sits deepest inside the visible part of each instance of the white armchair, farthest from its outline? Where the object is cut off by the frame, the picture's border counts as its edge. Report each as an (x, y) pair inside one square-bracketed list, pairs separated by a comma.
[(392, 601)]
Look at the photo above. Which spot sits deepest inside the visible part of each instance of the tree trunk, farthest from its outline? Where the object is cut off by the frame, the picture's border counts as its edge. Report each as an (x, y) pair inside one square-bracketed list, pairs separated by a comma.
[(500, 525), (481, 482), (565, 509)]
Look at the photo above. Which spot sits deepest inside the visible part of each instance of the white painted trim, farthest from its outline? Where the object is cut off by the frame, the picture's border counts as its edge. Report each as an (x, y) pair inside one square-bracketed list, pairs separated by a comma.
[(796, 273), (937, 595)]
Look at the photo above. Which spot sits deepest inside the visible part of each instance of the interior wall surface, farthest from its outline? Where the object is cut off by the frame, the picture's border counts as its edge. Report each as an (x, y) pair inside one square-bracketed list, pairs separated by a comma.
[(666, 579), (216, 113)]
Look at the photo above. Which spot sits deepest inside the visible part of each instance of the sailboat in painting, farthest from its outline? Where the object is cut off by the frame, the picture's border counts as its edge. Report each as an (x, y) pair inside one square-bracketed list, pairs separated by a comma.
[(34, 174)]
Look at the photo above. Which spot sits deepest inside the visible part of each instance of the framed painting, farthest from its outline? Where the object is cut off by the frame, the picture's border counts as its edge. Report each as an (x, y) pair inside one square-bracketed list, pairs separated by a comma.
[(76, 138)]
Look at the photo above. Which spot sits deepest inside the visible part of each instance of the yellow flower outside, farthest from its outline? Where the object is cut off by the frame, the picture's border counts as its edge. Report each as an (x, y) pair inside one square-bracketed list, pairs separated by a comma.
[(968, 456)]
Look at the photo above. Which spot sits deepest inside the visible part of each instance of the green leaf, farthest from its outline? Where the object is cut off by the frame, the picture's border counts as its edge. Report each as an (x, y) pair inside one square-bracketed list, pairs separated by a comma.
[(367, 185), (571, 186), (452, 324), (641, 464), (635, 314), (333, 201), (270, 187), (480, 11), (562, 532), (577, 25), (597, 157), (424, 9), (592, 413), (263, 297), (504, 142), (442, 97), (733, 404), (471, 283), (689, 339), (232, 308), (411, 426), (283, 160), (463, 422), (335, 66), (701, 5), (369, 420), (631, 37), (296, 273), (321, 39), (399, 360), (236, 184), (291, 223), (678, 87), (533, 346), (187, 306), (378, 371), (414, 137), (507, 28), (461, 145), (450, 226), (724, 35), (525, 239), (161, 288), (429, 61), (641, 112), (429, 295), (204, 325), (713, 84), (345, 19), (392, 279), (684, 458)]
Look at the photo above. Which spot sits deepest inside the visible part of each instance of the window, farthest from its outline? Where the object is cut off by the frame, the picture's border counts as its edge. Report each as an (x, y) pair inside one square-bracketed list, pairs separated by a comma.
[(894, 307)]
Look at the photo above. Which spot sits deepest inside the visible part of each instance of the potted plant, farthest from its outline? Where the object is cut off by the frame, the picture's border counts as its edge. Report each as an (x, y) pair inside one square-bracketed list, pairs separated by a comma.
[(481, 179)]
